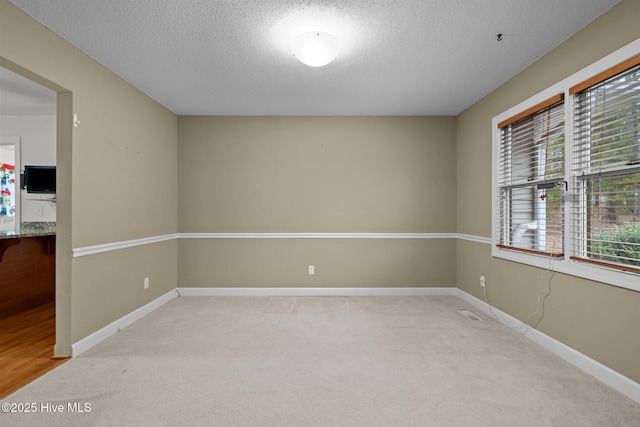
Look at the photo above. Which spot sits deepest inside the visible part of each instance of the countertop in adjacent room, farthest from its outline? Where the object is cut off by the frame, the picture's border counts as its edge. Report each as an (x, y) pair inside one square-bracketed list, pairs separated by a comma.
[(31, 229)]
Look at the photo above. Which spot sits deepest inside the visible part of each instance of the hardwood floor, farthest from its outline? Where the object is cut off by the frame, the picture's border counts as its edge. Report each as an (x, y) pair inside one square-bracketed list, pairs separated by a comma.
[(26, 348)]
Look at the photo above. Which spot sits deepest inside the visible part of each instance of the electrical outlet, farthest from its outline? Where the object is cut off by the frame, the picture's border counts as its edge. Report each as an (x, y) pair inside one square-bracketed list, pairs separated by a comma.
[(312, 270), (146, 283), (482, 281)]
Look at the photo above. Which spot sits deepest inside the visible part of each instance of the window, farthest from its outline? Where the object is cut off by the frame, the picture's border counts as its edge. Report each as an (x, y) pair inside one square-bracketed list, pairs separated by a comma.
[(566, 174), (531, 180), (606, 166)]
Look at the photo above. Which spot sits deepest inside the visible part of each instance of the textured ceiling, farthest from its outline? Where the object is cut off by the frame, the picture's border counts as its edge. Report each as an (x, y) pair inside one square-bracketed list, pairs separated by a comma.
[(398, 57)]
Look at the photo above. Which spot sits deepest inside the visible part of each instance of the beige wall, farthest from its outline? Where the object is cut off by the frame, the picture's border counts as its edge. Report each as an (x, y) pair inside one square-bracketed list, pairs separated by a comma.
[(339, 263), (118, 178), (594, 318), (109, 285), (320, 175)]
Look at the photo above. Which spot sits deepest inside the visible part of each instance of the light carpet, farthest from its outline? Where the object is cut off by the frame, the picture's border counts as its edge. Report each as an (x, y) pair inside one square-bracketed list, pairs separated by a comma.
[(319, 361)]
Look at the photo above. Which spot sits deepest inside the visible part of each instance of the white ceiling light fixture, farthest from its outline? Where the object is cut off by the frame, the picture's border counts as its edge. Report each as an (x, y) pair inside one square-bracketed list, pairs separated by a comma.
[(315, 48)]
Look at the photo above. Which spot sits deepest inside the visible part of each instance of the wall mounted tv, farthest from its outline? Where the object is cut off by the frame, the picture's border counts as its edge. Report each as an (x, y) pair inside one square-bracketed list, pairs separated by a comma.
[(40, 179)]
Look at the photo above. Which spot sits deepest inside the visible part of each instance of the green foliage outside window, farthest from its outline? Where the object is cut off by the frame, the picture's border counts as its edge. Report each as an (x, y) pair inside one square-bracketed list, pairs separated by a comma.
[(616, 243)]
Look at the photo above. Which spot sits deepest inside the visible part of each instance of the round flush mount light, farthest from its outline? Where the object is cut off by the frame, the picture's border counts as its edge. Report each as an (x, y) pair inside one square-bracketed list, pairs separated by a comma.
[(315, 48)]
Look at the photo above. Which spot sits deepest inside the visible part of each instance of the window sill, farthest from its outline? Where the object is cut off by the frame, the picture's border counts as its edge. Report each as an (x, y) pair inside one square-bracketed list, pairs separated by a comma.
[(597, 273)]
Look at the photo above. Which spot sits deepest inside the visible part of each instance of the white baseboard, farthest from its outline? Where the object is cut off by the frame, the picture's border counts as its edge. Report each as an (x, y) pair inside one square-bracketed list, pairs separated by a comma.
[(299, 292), (113, 328), (594, 368)]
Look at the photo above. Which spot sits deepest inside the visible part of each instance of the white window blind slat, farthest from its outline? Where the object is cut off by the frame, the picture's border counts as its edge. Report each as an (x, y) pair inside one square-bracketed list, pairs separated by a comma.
[(607, 179), (530, 182)]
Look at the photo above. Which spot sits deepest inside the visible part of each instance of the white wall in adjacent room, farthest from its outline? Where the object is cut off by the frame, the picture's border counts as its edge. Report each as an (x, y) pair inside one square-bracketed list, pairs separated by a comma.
[(37, 147)]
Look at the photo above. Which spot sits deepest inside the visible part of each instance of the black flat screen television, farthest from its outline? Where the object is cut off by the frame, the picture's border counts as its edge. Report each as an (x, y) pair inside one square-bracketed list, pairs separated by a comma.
[(40, 179)]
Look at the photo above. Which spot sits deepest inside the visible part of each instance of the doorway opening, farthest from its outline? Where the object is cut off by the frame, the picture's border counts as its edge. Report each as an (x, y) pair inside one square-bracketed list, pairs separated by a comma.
[(36, 129)]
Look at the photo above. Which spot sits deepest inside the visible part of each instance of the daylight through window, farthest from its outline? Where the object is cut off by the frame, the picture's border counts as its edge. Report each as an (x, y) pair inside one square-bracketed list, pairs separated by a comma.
[(566, 174), (606, 164), (531, 180)]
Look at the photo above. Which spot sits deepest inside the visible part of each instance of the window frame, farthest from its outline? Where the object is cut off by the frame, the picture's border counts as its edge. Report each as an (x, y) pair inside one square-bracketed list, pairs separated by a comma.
[(623, 279), (531, 151)]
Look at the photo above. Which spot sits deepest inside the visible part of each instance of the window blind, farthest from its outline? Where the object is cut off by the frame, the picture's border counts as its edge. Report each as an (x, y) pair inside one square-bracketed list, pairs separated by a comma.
[(606, 164), (531, 180)]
